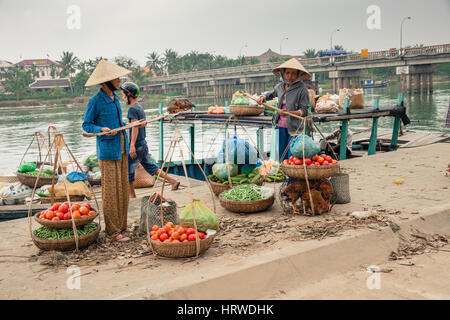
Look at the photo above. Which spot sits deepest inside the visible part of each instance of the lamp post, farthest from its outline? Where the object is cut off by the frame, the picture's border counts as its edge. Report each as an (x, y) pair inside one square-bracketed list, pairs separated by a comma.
[(240, 53), (282, 42), (401, 31), (331, 38)]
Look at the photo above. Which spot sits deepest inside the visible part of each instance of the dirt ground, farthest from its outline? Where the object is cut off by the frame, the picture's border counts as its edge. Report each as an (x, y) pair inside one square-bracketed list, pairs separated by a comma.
[(129, 270)]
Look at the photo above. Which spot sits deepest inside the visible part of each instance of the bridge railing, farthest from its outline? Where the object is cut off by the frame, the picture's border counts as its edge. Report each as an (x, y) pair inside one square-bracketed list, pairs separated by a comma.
[(373, 55)]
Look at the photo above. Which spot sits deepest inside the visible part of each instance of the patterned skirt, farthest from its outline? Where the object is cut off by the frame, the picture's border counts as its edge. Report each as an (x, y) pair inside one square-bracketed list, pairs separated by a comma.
[(115, 192)]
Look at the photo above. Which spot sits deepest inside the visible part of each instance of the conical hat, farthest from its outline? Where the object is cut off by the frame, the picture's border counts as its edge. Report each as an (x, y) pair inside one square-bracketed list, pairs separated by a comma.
[(106, 71), (292, 64)]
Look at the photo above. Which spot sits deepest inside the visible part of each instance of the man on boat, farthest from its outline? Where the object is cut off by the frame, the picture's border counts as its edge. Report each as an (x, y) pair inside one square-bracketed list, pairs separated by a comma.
[(138, 145), (104, 114)]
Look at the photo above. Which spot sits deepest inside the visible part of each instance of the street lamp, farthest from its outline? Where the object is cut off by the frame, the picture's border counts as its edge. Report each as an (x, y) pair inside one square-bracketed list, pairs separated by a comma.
[(401, 31), (282, 42), (240, 53), (331, 38)]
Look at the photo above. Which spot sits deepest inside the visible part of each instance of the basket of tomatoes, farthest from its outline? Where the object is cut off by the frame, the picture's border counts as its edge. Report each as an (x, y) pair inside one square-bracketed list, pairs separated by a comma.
[(317, 167), (59, 215), (175, 241)]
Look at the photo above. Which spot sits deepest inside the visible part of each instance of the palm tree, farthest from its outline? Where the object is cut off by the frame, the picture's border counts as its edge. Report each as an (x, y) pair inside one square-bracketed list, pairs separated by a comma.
[(68, 64), (338, 47), (154, 62), (170, 61), (310, 53)]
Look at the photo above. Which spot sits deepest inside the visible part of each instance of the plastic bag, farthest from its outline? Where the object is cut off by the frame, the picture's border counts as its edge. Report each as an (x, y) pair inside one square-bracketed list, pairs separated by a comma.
[(75, 177), (266, 192), (296, 147), (204, 217), (239, 151), (15, 193), (220, 170), (27, 167), (328, 106)]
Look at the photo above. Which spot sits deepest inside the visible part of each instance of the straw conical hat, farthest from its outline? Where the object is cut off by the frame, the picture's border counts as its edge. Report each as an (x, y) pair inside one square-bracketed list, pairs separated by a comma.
[(293, 64), (106, 71)]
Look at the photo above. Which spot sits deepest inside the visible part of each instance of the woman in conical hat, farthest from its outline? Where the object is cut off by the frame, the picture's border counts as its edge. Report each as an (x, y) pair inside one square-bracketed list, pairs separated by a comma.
[(104, 113), (292, 96)]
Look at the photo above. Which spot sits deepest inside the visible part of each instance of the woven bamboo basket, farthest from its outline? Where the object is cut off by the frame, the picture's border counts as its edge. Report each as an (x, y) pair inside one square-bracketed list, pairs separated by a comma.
[(218, 188), (246, 110), (64, 224), (247, 206), (182, 249), (31, 180), (66, 244), (314, 172), (62, 199)]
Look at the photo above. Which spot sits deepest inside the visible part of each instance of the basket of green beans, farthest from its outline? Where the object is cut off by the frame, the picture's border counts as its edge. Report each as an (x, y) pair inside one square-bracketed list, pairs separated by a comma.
[(29, 178), (246, 198), (46, 238)]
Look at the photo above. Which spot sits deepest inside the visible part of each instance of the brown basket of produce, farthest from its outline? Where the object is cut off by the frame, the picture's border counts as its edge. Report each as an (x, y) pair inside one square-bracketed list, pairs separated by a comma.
[(63, 224), (31, 180), (63, 199), (66, 244), (181, 249), (247, 206), (246, 110), (314, 172)]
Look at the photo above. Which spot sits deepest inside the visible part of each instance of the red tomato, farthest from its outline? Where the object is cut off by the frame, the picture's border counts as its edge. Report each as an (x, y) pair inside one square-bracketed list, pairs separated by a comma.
[(320, 160), (170, 232), (84, 210), (91, 213), (67, 216), (87, 205), (183, 237), (181, 230), (201, 235), (175, 235), (167, 240), (307, 161), (160, 231), (298, 162), (170, 224), (166, 228), (55, 219), (334, 161), (175, 240), (286, 161), (191, 237), (154, 237), (60, 215), (186, 240), (317, 163), (49, 215), (291, 158), (329, 159), (163, 236), (75, 207), (55, 206), (153, 233), (63, 208), (76, 215), (155, 228), (325, 163), (315, 158), (190, 231)]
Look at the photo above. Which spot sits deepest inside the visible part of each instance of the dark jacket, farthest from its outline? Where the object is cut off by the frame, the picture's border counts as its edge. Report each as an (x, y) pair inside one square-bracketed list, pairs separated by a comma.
[(297, 98), (101, 112)]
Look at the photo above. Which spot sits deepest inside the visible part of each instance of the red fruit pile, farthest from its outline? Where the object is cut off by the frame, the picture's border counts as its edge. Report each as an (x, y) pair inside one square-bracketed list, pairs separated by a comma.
[(317, 160), (59, 212), (174, 233)]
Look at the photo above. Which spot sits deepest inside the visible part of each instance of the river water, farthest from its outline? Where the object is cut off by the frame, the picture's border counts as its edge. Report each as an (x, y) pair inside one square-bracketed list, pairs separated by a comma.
[(18, 124)]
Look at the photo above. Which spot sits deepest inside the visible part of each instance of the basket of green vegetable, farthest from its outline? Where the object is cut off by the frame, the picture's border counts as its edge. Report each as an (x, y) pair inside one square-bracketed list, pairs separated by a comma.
[(247, 198), (220, 185), (46, 238), (29, 178)]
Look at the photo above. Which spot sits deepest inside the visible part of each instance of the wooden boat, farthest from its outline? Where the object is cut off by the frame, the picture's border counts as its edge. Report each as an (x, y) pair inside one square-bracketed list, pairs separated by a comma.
[(370, 83)]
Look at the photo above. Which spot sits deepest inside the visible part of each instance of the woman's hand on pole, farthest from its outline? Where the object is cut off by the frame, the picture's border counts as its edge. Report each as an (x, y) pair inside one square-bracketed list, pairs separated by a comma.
[(261, 100)]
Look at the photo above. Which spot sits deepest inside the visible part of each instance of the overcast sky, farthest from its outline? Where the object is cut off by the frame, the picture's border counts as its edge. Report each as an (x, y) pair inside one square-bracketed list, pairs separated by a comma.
[(32, 29)]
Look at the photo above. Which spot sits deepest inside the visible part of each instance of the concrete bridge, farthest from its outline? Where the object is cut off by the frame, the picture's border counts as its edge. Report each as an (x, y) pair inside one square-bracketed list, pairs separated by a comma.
[(416, 65)]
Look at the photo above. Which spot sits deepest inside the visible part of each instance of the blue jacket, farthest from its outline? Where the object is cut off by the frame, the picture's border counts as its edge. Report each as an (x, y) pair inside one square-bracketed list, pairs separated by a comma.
[(101, 112)]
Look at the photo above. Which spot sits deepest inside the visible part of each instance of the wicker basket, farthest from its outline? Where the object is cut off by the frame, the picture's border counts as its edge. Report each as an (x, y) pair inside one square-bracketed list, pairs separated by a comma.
[(66, 244), (64, 224), (94, 182), (314, 172), (182, 249), (247, 206), (218, 188), (246, 110), (63, 199), (31, 180)]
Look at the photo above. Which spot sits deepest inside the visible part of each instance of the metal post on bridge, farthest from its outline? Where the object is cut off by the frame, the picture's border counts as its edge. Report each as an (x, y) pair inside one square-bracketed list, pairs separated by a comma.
[(373, 134)]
